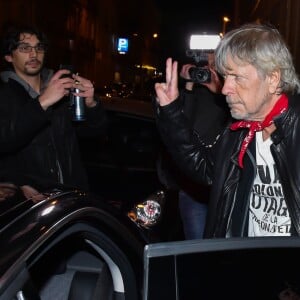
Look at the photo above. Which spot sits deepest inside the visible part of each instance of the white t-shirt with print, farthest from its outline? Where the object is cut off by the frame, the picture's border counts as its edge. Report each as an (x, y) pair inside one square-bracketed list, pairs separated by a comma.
[(268, 214)]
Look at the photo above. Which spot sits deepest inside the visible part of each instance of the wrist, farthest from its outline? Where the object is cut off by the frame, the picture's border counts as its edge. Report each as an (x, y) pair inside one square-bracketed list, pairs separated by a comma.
[(91, 102), (189, 86)]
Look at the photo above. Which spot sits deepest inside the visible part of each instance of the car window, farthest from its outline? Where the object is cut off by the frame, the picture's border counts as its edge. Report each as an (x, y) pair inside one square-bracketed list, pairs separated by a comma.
[(242, 268), (123, 163)]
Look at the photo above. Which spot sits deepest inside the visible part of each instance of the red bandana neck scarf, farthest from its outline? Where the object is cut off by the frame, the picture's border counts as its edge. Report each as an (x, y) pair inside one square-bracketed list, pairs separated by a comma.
[(280, 107)]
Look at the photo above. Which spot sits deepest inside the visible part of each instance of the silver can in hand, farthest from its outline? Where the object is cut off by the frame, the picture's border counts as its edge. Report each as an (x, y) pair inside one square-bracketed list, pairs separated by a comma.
[(78, 106)]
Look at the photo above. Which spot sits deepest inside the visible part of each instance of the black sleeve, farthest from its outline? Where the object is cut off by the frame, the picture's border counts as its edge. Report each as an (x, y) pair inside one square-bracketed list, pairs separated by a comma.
[(96, 122), (207, 113)]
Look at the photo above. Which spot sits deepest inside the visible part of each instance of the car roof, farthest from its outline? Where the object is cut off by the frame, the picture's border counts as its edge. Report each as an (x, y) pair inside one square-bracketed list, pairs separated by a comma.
[(129, 106)]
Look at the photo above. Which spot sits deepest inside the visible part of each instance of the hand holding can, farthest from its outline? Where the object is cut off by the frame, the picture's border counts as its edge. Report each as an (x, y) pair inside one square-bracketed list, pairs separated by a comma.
[(78, 105)]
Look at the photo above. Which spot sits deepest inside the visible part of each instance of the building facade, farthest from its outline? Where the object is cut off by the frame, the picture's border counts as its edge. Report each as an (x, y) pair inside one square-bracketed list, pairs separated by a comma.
[(84, 33), (284, 14)]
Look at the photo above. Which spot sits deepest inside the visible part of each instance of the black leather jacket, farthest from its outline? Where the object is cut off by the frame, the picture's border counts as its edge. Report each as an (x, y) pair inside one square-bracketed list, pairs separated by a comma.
[(217, 165), (40, 148), (207, 113)]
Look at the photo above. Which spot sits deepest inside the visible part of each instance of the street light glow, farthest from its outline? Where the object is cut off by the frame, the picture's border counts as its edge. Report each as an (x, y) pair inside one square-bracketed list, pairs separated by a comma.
[(225, 21)]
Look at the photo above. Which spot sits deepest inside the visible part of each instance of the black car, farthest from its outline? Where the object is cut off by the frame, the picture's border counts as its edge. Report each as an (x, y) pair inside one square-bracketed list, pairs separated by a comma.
[(66, 244), (123, 165), (260, 268)]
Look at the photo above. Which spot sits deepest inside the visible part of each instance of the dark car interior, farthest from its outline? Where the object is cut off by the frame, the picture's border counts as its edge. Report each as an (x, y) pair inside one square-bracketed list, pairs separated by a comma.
[(75, 275), (80, 263)]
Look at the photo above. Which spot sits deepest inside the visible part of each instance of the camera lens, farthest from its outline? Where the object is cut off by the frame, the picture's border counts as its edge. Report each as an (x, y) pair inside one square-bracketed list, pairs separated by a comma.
[(200, 75)]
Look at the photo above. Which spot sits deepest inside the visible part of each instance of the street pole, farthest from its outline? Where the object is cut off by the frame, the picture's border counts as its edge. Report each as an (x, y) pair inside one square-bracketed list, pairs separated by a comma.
[(225, 21)]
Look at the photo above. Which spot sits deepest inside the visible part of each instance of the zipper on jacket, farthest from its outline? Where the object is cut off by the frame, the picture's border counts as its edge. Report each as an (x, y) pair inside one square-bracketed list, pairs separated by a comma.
[(245, 218), (279, 158), (246, 214)]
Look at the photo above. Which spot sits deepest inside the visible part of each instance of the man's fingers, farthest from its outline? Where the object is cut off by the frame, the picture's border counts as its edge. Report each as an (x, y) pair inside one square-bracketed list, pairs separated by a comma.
[(168, 70), (171, 73), (174, 74)]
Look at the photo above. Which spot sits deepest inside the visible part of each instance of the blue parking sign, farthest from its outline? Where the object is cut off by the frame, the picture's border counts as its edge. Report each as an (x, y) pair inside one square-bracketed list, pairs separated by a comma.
[(122, 45)]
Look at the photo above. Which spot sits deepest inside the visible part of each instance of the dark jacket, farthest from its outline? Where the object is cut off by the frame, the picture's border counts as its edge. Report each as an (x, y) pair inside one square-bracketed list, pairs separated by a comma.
[(37, 147), (206, 114), (217, 165)]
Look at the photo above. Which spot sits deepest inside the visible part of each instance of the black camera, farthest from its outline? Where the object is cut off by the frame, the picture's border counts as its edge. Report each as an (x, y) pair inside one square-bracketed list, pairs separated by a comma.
[(200, 46), (67, 67), (200, 74)]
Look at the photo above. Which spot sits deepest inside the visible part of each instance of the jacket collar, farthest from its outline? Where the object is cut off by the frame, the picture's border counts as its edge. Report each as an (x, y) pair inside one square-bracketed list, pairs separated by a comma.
[(46, 74), (284, 122)]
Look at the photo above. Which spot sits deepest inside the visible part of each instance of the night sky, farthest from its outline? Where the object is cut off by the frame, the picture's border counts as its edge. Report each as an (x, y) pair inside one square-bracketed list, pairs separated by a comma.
[(180, 20)]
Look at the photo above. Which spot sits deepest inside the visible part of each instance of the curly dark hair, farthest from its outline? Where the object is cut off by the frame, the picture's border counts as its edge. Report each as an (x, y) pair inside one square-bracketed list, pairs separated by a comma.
[(11, 38)]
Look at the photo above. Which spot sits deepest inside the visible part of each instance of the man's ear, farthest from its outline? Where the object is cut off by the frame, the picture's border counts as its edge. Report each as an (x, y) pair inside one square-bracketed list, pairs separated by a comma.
[(8, 58), (274, 81)]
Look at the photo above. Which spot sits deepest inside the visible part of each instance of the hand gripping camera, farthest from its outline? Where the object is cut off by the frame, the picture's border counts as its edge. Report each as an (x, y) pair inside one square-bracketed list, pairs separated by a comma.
[(200, 46), (200, 74)]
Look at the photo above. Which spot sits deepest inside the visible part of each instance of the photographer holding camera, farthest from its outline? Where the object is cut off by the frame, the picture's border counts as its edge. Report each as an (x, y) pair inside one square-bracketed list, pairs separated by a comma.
[(206, 111), (38, 142)]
